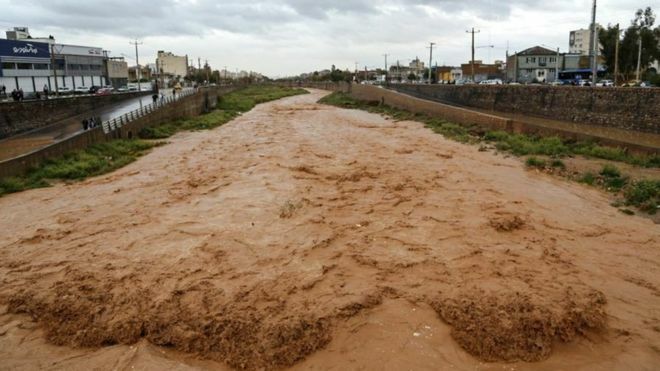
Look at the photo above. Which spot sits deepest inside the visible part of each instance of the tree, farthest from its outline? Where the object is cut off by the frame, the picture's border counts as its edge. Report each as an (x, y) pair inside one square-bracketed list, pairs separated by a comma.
[(412, 77), (641, 27)]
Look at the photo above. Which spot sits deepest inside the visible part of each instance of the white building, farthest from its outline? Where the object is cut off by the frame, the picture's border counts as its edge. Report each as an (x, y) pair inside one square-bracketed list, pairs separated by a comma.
[(26, 63), (172, 65), (578, 41)]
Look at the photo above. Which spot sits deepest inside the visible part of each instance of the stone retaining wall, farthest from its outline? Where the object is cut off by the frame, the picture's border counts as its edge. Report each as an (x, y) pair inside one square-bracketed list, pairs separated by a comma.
[(636, 109)]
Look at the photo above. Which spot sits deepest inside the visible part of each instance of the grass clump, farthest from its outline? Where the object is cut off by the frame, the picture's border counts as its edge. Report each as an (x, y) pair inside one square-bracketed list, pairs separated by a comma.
[(558, 164), (94, 160), (229, 106), (612, 179), (535, 162), (588, 178), (644, 194)]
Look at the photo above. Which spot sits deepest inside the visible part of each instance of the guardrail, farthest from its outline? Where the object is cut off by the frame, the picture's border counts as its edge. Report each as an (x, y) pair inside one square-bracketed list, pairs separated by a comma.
[(117, 122)]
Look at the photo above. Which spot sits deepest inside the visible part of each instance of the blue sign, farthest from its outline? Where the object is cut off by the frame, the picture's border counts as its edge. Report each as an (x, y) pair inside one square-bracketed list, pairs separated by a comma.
[(14, 48)]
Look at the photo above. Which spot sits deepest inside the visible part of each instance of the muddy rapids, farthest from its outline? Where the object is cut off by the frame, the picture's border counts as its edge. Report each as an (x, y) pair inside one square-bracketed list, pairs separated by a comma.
[(306, 236)]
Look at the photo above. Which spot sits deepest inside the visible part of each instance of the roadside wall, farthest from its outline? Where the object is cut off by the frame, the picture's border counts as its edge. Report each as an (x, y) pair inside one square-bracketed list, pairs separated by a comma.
[(189, 106), (623, 108), (18, 117)]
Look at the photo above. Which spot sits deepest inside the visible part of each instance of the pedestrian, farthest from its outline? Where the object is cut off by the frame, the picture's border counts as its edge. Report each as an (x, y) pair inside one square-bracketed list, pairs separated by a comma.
[(174, 93), (92, 123), (162, 97), (3, 91), (85, 124), (155, 98), (20, 94), (46, 91)]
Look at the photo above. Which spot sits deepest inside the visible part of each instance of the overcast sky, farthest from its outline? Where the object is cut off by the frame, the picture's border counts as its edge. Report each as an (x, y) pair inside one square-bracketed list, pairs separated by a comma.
[(287, 37)]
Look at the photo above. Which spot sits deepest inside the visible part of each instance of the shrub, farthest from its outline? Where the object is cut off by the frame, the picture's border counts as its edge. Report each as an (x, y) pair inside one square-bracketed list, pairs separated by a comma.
[(535, 162)]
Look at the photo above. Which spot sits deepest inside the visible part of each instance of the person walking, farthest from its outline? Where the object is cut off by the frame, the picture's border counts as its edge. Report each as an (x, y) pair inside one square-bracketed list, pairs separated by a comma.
[(20, 94), (3, 91), (154, 98), (46, 91), (85, 124), (162, 98), (174, 93)]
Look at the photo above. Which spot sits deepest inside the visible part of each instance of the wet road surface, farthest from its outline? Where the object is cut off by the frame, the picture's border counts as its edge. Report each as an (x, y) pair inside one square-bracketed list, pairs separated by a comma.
[(38, 138)]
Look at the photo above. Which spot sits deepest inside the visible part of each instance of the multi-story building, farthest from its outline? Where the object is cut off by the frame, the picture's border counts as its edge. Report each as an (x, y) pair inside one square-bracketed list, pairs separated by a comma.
[(117, 71), (26, 63), (171, 66), (579, 40), (482, 71), (536, 64)]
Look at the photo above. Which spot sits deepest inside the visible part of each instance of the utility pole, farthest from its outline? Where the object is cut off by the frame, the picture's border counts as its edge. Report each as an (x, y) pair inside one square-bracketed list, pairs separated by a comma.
[(207, 68), (54, 67), (593, 44), (639, 55), (430, 60), (225, 74), (356, 72), (616, 57), (385, 55), (137, 62), (472, 60)]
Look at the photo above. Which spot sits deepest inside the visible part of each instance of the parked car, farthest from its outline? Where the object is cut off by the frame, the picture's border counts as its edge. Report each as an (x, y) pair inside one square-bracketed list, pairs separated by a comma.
[(64, 90), (81, 90), (605, 83), (122, 89), (103, 91), (93, 89), (491, 82)]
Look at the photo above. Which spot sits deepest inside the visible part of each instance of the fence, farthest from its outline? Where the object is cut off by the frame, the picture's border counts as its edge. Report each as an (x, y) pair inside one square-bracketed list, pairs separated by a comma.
[(117, 122)]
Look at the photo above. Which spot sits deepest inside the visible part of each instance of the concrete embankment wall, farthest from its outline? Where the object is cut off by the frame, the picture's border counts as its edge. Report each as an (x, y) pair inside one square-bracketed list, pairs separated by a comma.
[(19, 117), (189, 106), (468, 117), (635, 109)]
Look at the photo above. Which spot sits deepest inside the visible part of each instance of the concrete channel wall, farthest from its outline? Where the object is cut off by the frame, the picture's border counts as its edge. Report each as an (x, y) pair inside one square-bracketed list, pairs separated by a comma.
[(635, 109), (190, 106), (19, 117), (467, 117)]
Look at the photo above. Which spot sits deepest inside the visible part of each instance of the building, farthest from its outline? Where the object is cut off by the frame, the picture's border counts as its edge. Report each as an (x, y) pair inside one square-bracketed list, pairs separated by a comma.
[(482, 71), (536, 64), (145, 73), (116, 71), (26, 63), (578, 41), (171, 66)]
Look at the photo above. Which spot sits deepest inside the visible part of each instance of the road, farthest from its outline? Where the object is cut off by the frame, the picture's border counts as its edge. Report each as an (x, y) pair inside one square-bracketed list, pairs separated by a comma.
[(312, 237), (38, 138)]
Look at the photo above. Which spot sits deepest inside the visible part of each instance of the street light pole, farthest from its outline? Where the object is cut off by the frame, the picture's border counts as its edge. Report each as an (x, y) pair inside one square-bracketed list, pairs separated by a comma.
[(594, 46), (385, 55), (54, 67), (616, 57)]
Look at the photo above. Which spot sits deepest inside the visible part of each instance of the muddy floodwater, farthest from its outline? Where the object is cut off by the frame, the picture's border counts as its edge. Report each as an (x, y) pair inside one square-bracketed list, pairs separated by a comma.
[(310, 237)]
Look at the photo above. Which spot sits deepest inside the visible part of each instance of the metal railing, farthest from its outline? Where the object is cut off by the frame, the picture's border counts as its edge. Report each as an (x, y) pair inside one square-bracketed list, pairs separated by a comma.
[(117, 122)]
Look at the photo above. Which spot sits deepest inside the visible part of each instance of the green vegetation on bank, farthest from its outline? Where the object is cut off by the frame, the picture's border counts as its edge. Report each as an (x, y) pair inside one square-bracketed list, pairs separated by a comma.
[(229, 106), (644, 194), (94, 160), (105, 157)]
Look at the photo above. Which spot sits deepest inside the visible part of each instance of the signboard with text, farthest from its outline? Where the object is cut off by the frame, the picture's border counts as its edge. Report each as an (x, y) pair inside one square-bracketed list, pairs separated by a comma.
[(78, 50), (14, 48)]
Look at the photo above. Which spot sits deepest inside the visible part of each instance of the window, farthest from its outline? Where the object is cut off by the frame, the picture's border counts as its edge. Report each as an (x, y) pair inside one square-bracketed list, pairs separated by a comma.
[(84, 67), (553, 59), (41, 66), (73, 67), (8, 66), (24, 66)]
